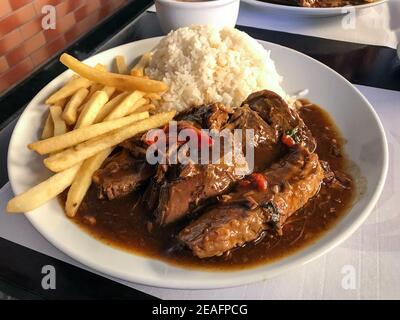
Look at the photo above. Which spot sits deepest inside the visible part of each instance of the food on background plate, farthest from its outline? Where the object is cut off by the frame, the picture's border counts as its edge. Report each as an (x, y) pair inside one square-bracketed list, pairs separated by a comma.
[(99, 131), (320, 3)]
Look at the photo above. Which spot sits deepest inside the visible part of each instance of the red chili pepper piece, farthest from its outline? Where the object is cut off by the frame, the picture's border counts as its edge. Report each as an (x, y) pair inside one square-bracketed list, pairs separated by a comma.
[(151, 138), (245, 183), (288, 140), (255, 180), (201, 135), (259, 181)]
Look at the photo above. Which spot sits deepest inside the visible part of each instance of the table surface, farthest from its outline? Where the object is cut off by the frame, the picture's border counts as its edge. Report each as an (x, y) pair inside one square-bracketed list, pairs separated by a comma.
[(373, 251)]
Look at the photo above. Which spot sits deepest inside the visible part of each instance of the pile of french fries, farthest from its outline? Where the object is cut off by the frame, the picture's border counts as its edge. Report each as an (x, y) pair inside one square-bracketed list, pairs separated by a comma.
[(87, 118)]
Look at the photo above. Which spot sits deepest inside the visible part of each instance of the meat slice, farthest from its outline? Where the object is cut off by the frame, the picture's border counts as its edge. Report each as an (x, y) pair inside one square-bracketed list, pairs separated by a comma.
[(136, 146), (121, 175), (178, 189), (174, 198), (267, 146), (242, 216), (275, 111), (213, 116), (194, 184)]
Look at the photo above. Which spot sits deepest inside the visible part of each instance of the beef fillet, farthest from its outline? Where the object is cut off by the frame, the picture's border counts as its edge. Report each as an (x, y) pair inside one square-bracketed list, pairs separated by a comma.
[(275, 111), (121, 174), (262, 203)]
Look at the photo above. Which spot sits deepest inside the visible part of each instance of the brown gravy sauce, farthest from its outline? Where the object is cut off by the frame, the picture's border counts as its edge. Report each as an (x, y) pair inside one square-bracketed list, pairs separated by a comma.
[(125, 224)]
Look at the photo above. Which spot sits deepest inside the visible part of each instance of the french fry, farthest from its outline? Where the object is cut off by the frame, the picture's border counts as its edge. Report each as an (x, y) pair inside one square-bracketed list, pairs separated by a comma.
[(69, 89), (59, 124), (109, 90), (91, 109), (101, 67), (136, 72), (121, 65), (147, 107), (110, 106), (138, 104), (62, 103), (77, 136), (83, 180), (138, 69), (48, 129), (70, 113), (125, 106), (72, 156), (152, 96), (119, 81), (92, 89), (43, 192)]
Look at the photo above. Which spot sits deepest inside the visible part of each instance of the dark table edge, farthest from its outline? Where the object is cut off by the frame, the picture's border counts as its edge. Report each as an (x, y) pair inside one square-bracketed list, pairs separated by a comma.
[(21, 277)]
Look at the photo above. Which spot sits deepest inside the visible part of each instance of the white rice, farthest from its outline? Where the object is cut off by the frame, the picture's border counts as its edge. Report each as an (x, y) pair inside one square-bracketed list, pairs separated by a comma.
[(204, 64)]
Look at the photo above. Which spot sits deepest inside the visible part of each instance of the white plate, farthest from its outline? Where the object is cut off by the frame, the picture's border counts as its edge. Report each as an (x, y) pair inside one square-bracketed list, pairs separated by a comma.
[(353, 114), (310, 12)]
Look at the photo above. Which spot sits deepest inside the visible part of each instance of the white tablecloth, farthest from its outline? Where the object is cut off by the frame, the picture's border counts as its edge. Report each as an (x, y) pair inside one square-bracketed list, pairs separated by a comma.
[(372, 254)]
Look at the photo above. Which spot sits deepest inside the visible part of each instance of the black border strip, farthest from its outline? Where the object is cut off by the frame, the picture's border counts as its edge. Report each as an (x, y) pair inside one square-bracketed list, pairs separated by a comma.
[(15, 99), (21, 277)]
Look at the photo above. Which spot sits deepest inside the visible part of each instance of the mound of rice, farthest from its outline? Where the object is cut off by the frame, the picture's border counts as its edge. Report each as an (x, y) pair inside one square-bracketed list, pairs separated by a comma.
[(204, 64)]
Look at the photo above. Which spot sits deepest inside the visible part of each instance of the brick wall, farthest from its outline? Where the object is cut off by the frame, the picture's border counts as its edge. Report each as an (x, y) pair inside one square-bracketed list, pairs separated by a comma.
[(25, 45)]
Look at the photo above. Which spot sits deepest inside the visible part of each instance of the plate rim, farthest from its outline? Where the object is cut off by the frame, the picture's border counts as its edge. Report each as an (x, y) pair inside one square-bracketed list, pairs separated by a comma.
[(259, 274)]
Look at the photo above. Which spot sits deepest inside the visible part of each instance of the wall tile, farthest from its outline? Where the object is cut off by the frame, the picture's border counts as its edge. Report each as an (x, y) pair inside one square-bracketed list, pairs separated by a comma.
[(15, 56), (3, 65), (47, 51), (16, 19), (16, 73), (87, 9), (5, 8), (16, 4), (39, 4), (31, 28), (68, 6), (10, 41), (34, 43)]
